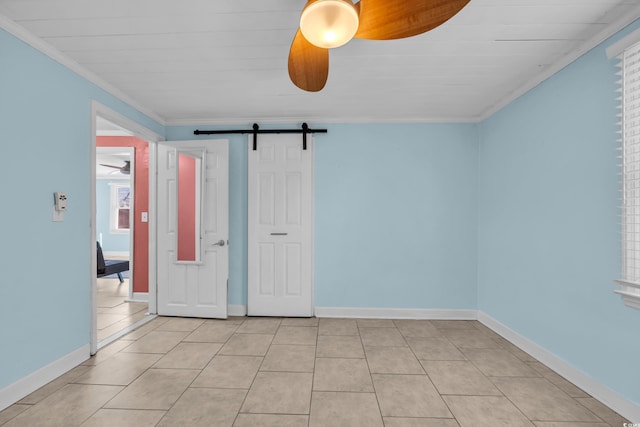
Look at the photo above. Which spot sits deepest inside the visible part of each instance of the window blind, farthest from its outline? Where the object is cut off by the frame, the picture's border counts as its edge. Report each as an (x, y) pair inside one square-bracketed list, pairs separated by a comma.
[(630, 126)]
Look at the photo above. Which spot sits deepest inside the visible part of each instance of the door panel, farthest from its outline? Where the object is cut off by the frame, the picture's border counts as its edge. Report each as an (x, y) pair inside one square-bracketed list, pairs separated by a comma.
[(293, 196), (266, 276), (293, 262), (266, 201), (280, 227), (196, 287)]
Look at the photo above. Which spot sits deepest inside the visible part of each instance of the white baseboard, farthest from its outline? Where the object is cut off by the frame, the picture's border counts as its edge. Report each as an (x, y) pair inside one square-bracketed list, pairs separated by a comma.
[(600, 392), (146, 319), (396, 313), (139, 297), (27, 385), (236, 310)]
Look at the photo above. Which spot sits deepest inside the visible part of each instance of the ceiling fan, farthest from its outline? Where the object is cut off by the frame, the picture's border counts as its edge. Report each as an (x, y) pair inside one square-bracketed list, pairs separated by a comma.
[(326, 24), (125, 170)]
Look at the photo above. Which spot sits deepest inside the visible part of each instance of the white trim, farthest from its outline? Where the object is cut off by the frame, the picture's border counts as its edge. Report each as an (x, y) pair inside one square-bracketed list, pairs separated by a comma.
[(153, 229), (629, 299), (396, 313), (139, 297), (630, 293), (246, 122), (39, 44), (236, 310), (108, 340), (30, 383), (618, 47), (564, 61), (629, 283), (599, 391), (93, 255), (132, 217)]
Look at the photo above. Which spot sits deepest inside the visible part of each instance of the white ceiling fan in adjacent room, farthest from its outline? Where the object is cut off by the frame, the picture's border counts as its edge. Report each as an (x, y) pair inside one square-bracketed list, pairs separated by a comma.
[(113, 163), (124, 169)]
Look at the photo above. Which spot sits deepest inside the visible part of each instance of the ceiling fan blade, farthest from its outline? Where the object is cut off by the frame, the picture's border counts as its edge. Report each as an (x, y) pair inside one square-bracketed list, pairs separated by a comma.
[(397, 19), (308, 64), (110, 166)]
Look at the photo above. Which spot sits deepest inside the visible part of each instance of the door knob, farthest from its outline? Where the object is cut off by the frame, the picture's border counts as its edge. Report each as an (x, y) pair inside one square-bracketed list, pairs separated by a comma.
[(219, 243)]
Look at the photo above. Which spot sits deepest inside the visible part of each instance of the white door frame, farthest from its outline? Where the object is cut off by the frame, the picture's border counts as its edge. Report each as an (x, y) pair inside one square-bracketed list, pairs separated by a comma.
[(98, 109)]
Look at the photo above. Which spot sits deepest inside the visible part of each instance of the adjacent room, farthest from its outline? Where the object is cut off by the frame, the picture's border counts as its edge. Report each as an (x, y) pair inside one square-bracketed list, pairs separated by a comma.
[(431, 223)]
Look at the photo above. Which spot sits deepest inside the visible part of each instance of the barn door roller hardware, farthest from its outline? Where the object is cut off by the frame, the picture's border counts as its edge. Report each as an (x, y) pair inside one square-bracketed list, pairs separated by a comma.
[(304, 130)]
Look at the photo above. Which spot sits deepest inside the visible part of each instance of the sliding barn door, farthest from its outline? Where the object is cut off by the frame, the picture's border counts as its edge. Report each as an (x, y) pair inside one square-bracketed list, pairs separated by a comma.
[(280, 226)]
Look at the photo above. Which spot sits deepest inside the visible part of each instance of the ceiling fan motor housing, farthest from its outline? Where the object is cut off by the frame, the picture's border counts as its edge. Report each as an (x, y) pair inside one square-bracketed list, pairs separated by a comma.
[(329, 23)]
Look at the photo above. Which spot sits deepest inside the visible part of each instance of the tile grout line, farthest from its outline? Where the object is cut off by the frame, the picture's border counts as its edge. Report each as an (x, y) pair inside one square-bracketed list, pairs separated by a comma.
[(257, 372), (313, 375), (373, 384)]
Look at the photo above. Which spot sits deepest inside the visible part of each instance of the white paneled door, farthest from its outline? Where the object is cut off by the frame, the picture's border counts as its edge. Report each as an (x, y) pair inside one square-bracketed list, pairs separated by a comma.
[(280, 226), (193, 228)]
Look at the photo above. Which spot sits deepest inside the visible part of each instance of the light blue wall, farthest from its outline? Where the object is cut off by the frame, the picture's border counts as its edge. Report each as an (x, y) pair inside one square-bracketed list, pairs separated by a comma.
[(111, 242), (549, 234), (395, 215), (45, 138)]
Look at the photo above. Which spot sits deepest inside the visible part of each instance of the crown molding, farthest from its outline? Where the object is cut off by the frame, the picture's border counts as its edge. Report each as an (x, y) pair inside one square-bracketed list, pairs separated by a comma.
[(618, 47), (325, 120), (37, 43), (564, 61)]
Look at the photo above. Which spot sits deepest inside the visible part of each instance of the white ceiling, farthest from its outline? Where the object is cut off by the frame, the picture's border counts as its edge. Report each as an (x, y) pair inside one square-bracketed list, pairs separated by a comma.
[(225, 61)]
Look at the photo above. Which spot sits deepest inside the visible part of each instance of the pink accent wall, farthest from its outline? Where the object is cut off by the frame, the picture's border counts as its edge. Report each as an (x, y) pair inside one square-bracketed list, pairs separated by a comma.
[(186, 208), (141, 204)]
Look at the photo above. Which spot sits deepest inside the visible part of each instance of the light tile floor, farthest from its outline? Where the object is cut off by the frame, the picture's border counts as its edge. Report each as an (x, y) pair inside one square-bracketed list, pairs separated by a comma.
[(251, 372), (114, 313)]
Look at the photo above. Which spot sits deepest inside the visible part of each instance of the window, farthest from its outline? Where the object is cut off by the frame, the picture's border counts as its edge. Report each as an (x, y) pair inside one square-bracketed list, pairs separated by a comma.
[(120, 208), (630, 108)]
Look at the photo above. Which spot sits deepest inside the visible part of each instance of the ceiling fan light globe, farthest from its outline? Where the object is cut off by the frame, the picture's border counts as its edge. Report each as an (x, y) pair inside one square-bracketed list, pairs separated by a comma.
[(329, 23)]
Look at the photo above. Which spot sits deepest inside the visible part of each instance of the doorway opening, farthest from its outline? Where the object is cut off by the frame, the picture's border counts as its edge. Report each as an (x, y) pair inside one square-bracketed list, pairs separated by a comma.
[(117, 307), (121, 226)]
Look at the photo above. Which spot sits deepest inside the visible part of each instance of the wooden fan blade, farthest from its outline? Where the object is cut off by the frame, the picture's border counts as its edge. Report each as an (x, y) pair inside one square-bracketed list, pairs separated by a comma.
[(397, 19), (308, 64)]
